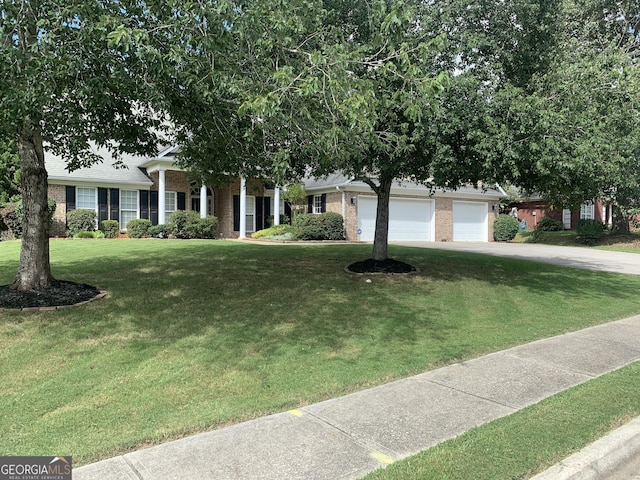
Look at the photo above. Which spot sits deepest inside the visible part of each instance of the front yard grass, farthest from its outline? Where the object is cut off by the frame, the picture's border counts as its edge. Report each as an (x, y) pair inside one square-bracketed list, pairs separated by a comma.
[(195, 335)]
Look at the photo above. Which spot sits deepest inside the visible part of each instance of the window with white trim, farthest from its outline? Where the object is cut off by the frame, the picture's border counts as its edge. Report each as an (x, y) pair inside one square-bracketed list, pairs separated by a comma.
[(251, 213), (587, 211), (170, 202), (87, 197), (128, 207), (317, 204)]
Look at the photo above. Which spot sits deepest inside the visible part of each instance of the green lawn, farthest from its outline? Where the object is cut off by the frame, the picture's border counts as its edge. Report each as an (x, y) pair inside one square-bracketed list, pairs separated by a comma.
[(195, 335)]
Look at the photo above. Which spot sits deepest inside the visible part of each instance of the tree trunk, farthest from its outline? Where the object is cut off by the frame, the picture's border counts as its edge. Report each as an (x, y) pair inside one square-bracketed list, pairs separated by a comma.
[(34, 272), (381, 238), (621, 222)]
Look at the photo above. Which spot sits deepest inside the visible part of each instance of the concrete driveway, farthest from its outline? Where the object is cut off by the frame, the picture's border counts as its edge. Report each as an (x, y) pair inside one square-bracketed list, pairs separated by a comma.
[(578, 257)]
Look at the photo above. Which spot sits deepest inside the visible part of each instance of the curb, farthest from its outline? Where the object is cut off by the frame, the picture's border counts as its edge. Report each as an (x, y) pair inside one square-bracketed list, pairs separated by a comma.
[(600, 458)]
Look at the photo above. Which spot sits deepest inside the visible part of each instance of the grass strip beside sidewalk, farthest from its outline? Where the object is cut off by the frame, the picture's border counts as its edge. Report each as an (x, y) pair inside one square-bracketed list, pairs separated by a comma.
[(531, 440)]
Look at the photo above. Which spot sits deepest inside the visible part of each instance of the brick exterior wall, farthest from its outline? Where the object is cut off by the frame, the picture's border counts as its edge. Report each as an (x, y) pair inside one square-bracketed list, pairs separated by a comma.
[(443, 214), (59, 224), (223, 205)]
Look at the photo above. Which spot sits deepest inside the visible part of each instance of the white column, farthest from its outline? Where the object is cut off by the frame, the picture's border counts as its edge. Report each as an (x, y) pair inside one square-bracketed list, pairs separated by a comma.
[(203, 201), (161, 191), (243, 207), (276, 206)]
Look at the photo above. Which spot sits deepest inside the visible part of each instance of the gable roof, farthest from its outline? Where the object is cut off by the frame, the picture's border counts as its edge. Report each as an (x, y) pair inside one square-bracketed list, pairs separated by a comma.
[(340, 181), (102, 173)]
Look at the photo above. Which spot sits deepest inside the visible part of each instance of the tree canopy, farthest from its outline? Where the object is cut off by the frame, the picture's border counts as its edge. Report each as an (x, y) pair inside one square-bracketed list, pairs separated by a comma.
[(575, 135), (63, 85)]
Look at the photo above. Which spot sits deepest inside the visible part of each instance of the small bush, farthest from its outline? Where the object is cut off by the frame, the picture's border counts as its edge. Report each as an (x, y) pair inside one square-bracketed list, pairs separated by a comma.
[(505, 228), (110, 228), (81, 220), (589, 231), (548, 224), (85, 234), (207, 227), (326, 226), (12, 225), (158, 231), (275, 231), (182, 223), (12, 217), (188, 224), (138, 228)]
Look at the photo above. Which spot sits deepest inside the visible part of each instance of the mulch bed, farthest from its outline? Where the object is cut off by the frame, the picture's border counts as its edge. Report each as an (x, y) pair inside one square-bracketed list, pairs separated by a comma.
[(61, 293), (380, 266)]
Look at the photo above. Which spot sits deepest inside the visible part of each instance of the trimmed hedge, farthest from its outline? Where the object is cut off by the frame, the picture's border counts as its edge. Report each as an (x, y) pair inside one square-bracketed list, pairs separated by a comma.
[(505, 228), (81, 220), (110, 228), (325, 226), (159, 231), (189, 224), (138, 228)]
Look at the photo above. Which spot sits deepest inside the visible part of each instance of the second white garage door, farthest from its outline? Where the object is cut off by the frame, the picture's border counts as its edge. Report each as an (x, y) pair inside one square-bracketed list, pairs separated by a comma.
[(470, 222), (409, 219)]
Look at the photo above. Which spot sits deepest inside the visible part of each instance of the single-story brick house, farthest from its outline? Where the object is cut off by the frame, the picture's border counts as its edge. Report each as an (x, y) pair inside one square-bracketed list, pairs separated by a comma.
[(152, 188), (532, 209)]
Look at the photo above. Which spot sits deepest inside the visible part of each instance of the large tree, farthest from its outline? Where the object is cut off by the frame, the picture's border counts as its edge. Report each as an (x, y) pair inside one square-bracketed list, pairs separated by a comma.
[(66, 88), (433, 75), (575, 135)]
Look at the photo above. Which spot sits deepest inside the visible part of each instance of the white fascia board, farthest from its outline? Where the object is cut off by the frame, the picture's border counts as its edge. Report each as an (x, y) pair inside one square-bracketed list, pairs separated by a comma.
[(157, 164), (168, 150), (98, 182)]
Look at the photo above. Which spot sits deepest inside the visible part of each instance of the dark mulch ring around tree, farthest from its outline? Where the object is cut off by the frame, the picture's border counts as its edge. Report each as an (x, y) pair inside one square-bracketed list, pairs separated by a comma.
[(61, 293), (380, 266)]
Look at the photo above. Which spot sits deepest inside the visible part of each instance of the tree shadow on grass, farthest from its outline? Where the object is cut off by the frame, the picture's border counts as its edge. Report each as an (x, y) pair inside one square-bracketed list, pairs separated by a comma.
[(253, 290)]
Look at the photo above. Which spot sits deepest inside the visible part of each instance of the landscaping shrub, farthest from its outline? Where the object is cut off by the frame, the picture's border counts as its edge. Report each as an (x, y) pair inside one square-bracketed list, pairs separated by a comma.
[(505, 228), (138, 228), (182, 223), (284, 219), (86, 234), (274, 232), (188, 224), (158, 231), (110, 228), (12, 218), (548, 224), (207, 227), (589, 231), (81, 220), (326, 226)]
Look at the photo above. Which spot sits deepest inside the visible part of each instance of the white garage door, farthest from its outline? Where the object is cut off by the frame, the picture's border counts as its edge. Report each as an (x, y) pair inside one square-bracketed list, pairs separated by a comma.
[(409, 219), (470, 222)]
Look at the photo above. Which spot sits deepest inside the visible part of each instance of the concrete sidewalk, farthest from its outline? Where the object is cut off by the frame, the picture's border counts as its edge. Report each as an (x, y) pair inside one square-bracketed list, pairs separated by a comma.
[(347, 437)]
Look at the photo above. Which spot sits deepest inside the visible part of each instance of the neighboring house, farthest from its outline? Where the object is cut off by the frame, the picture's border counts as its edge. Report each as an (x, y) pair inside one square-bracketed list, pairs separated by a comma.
[(153, 188), (533, 209)]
